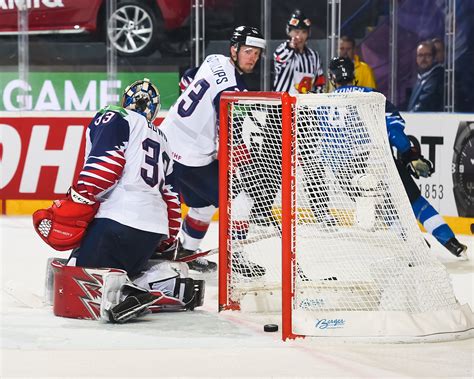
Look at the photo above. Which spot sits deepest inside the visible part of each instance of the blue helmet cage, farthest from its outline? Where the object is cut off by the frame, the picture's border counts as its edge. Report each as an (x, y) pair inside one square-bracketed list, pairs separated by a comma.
[(142, 97)]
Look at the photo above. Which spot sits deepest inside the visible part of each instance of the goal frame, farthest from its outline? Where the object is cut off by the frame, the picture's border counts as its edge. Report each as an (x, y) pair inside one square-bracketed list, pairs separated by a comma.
[(288, 198), (442, 319)]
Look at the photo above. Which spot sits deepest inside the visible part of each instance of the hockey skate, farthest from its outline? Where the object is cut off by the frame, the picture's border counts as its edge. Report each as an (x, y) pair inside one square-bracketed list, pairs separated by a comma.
[(199, 264), (327, 223), (193, 292), (456, 248), (134, 305), (263, 218), (241, 265)]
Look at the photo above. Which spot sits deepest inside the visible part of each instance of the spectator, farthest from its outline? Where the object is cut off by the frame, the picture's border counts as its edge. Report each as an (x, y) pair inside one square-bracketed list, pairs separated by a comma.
[(439, 47), (364, 76), (427, 95), (297, 67)]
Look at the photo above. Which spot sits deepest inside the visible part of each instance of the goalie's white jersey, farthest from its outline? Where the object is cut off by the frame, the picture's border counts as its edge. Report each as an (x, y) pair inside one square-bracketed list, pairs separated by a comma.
[(128, 169), (192, 123)]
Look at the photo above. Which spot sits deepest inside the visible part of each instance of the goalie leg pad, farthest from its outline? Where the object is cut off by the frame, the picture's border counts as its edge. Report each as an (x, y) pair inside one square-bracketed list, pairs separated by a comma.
[(161, 275), (77, 291), (187, 295)]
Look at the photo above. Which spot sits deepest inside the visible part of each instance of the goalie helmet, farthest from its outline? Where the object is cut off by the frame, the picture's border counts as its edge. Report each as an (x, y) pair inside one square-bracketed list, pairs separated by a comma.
[(341, 70), (247, 35), (142, 97), (298, 21)]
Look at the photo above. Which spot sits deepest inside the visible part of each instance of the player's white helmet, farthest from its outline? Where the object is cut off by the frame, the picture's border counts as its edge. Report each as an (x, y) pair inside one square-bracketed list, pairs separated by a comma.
[(142, 97)]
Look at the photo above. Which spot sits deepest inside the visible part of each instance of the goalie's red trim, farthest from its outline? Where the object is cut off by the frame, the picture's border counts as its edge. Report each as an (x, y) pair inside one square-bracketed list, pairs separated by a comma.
[(78, 290)]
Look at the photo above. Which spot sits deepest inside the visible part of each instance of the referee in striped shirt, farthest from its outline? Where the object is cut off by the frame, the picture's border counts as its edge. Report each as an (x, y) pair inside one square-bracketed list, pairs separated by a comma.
[(297, 67), (298, 70)]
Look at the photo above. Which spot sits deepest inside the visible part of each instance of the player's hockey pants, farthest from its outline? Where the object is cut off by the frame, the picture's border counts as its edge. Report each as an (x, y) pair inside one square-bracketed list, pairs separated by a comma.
[(199, 186), (110, 244)]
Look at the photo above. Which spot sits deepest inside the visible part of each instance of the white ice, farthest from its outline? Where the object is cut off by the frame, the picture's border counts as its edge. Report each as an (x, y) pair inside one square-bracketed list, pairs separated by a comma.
[(203, 343)]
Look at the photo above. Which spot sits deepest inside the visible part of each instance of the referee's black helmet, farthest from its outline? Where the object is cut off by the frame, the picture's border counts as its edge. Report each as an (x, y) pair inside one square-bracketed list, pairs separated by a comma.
[(298, 21)]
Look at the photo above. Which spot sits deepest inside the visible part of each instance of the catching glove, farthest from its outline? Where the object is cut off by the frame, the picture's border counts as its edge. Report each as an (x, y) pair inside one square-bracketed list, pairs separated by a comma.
[(63, 225)]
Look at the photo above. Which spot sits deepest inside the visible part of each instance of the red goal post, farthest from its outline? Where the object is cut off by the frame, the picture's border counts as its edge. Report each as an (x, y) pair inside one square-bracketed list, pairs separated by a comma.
[(287, 102)]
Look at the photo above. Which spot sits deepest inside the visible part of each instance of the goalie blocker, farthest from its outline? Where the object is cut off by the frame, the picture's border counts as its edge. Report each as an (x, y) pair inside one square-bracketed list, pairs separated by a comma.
[(107, 294)]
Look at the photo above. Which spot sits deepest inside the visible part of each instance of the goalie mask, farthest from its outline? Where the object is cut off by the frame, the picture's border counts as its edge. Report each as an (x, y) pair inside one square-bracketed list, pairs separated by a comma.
[(341, 70), (142, 97)]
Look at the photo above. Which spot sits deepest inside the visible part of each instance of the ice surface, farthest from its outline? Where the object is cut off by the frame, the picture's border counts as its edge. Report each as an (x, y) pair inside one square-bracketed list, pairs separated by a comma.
[(203, 343)]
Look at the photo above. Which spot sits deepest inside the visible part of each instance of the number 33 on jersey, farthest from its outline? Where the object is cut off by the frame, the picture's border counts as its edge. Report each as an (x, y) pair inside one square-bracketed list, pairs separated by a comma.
[(131, 156)]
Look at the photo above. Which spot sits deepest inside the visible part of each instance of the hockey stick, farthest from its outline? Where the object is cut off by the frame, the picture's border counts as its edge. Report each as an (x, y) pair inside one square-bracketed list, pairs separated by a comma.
[(198, 254), (248, 241)]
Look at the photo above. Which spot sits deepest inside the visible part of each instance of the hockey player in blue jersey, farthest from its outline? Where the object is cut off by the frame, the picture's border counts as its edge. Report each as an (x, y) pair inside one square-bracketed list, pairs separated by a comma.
[(191, 127), (411, 162)]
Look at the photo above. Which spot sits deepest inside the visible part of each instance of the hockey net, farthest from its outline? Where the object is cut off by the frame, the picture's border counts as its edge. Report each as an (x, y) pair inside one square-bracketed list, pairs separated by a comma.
[(315, 223)]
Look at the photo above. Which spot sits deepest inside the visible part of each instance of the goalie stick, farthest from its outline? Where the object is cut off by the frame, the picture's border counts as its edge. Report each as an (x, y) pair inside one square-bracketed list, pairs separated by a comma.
[(22, 295)]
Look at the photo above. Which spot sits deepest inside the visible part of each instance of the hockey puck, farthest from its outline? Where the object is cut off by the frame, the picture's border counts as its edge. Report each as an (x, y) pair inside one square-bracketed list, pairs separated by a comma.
[(270, 328)]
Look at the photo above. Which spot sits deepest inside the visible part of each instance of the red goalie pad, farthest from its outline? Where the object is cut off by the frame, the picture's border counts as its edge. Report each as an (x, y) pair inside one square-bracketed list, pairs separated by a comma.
[(77, 291), (63, 225)]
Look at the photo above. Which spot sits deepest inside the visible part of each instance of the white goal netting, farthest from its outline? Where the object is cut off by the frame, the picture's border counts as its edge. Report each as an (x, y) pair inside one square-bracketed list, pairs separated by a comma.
[(359, 264)]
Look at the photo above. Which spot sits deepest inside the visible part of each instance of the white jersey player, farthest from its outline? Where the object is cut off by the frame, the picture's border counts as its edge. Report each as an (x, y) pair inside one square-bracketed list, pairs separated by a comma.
[(124, 203), (129, 171), (191, 124), (192, 130)]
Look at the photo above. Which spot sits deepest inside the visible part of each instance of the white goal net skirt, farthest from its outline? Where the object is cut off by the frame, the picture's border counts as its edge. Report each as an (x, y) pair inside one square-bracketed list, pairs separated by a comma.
[(315, 223)]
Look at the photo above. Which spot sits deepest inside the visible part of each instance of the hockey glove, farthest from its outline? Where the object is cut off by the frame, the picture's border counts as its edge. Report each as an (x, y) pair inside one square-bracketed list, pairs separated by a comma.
[(63, 225), (416, 164), (167, 249), (421, 167)]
